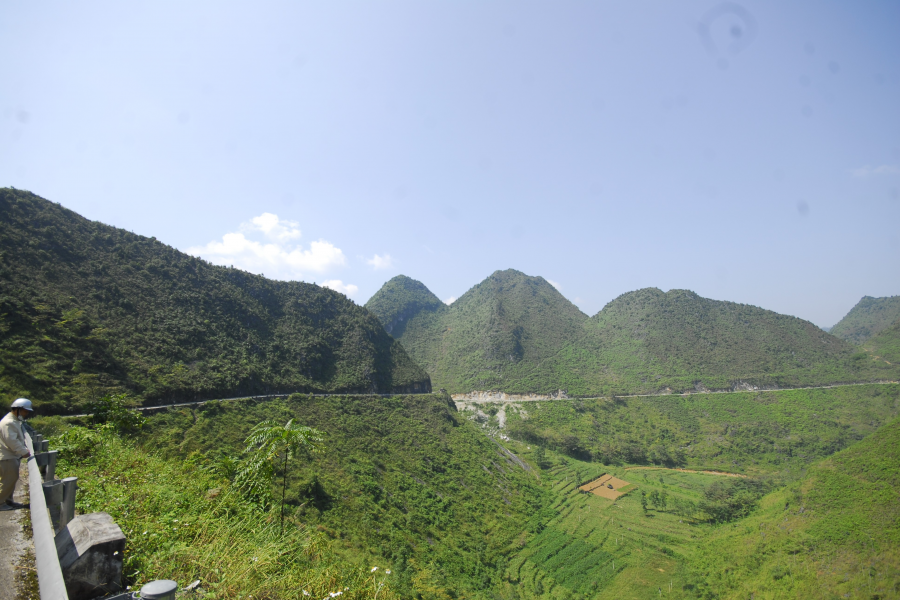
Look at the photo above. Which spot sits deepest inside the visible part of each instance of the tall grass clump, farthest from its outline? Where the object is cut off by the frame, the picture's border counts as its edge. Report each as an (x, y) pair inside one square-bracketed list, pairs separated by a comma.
[(185, 523)]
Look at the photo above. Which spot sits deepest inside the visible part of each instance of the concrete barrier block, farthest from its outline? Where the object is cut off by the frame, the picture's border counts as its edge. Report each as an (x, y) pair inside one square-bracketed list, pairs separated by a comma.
[(90, 549)]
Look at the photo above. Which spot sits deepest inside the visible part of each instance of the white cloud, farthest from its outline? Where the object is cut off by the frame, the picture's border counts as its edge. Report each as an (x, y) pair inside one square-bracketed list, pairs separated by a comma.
[(339, 286), (555, 284), (380, 262), (450, 300), (277, 257), (273, 228), (869, 171)]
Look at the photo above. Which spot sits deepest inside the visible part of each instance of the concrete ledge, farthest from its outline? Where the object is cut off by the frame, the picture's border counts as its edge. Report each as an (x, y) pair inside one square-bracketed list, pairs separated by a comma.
[(90, 550)]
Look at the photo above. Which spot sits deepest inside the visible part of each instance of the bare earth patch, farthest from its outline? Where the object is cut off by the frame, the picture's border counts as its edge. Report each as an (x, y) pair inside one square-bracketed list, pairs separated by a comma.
[(606, 486)]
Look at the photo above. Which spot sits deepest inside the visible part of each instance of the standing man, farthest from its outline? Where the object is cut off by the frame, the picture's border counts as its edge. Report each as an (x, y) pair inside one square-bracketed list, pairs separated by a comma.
[(12, 449)]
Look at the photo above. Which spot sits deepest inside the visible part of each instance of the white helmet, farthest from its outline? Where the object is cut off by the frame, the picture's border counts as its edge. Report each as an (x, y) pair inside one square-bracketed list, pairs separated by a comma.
[(23, 403)]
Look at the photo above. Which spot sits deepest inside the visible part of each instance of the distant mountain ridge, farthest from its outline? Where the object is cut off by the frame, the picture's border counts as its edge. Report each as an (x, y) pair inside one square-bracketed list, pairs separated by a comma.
[(867, 319), (517, 334), (493, 334), (87, 309)]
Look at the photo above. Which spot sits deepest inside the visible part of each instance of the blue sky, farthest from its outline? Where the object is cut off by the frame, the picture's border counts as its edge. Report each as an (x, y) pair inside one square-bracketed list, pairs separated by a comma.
[(749, 152)]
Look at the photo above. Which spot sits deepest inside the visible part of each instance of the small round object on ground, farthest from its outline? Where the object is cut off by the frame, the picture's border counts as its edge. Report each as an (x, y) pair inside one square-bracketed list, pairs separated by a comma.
[(161, 589)]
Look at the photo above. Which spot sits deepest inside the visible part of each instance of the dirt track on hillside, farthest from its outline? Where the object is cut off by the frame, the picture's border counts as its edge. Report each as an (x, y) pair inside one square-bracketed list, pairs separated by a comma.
[(721, 473)]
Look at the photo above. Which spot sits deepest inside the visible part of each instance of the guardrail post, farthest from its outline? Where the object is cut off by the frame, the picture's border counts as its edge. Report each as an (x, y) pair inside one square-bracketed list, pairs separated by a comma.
[(50, 471), (46, 462), (45, 445), (67, 511), (53, 494)]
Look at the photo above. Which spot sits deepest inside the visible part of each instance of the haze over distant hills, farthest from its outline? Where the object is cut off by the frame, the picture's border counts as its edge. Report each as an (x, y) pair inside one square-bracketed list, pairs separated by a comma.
[(88, 308), (518, 334), (867, 319)]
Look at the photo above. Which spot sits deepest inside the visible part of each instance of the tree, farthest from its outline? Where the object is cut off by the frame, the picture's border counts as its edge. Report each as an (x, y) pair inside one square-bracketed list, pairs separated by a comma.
[(269, 440), (663, 500), (654, 499), (644, 500), (540, 457), (113, 409)]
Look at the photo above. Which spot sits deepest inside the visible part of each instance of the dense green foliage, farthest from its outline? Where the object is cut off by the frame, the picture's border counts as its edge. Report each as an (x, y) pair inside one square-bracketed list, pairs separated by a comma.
[(751, 432), (404, 483), (402, 298), (834, 533), (650, 340), (411, 485), (492, 337), (185, 523), (867, 319), (518, 334), (886, 345), (593, 547), (87, 309)]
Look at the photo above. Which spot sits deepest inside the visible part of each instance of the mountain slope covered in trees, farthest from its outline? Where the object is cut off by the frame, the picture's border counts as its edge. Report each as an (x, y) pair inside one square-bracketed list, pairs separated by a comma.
[(886, 345), (867, 319), (518, 334), (649, 339), (87, 308), (493, 336), (835, 532)]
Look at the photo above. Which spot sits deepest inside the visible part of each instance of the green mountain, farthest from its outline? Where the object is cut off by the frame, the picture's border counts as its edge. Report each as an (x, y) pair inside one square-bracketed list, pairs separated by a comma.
[(649, 340), (518, 334), (87, 308), (867, 319), (886, 344), (835, 533), (492, 337)]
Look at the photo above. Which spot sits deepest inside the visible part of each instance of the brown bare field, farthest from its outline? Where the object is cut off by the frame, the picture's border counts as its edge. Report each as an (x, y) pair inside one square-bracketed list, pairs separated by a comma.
[(600, 487)]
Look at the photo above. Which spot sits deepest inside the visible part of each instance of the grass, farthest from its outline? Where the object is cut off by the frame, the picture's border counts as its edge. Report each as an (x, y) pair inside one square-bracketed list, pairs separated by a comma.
[(184, 524), (599, 548), (834, 533), (751, 432), (403, 484), (410, 485)]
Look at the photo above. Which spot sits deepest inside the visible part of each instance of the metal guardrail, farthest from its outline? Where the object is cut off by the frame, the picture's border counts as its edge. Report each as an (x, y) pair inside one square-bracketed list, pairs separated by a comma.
[(50, 577)]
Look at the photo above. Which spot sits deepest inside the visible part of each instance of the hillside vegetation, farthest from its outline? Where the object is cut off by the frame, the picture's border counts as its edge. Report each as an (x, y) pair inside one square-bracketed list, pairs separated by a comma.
[(87, 309), (747, 432), (867, 319), (404, 484), (492, 337), (886, 345), (834, 533), (651, 340), (458, 507), (518, 334)]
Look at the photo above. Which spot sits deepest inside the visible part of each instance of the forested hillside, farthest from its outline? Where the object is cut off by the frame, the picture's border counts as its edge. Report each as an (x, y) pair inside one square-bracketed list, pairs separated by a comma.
[(492, 337), (867, 319), (650, 340), (455, 505), (404, 484), (886, 345), (834, 533), (88, 309), (518, 334)]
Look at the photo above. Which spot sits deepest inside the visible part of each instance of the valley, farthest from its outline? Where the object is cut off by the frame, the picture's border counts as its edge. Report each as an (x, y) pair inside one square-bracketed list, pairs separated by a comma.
[(669, 445)]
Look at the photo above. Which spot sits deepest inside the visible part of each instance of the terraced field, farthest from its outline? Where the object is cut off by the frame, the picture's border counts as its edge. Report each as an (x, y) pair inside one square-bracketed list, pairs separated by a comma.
[(604, 548)]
